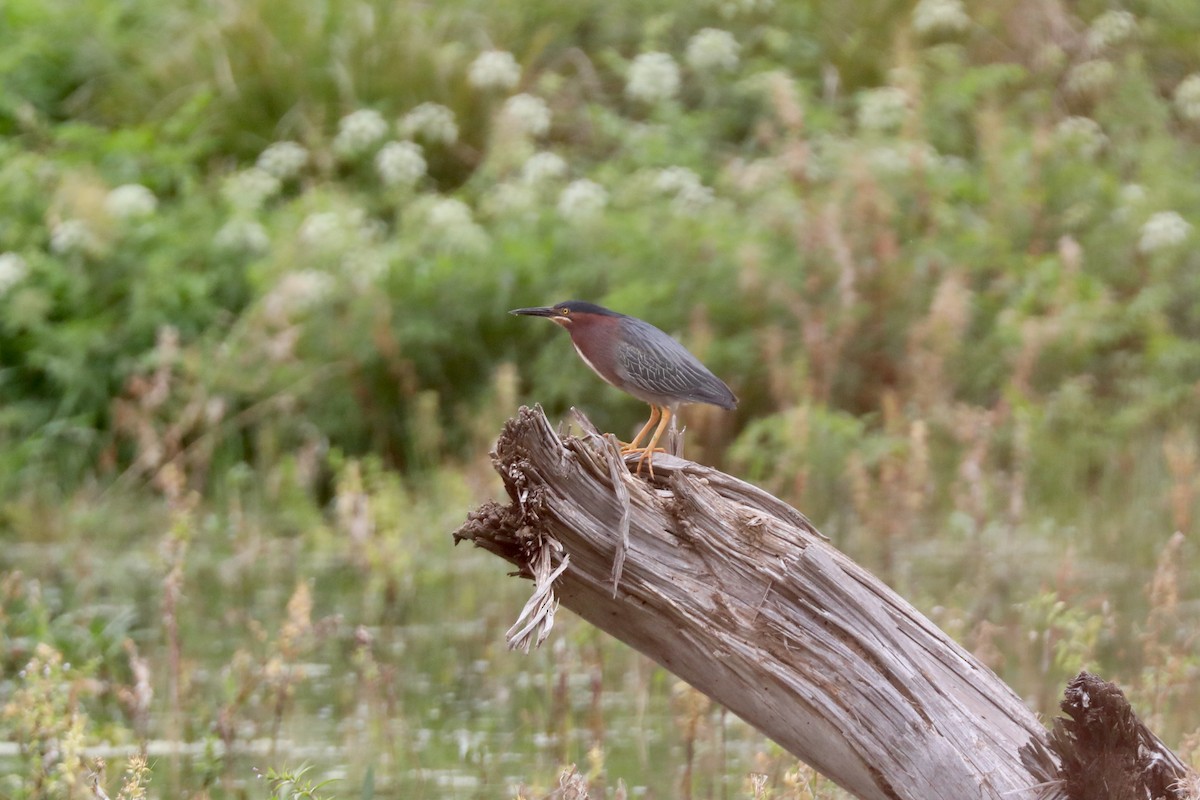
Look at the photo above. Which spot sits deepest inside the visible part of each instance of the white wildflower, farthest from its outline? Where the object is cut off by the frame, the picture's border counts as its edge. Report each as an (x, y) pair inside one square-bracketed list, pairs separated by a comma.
[(13, 270), (1078, 214), (364, 266), (691, 200), (297, 292), (72, 236), (447, 212), (1050, 58), (451, 226), (674, 179), (826, 158), (369, 229), (284, 160), (688, 193), (528, 113), (431, 122), (509, 200), (320, 228), (249, 189), (242, 236), (335, 231), (882, 110), (712, 49), (1132, 194), (735, 8), (755, 176), (543, 167), (130, 201), (952, 165), (359, 132), (1187, 97), (1111, 28), (1164, 229), (891, 160), (897, 160), (1131, 203), (582, 200), (653, 78), (494, 69), (1083, 135), (400, 164), (1091, 78), (940, 17)]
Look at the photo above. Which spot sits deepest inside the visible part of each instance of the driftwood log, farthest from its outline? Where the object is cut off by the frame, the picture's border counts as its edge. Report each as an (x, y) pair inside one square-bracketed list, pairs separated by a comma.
[(737, 593)]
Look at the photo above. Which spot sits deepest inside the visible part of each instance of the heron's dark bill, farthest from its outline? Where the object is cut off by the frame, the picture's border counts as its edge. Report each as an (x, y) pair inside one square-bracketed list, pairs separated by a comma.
[(545, 311)]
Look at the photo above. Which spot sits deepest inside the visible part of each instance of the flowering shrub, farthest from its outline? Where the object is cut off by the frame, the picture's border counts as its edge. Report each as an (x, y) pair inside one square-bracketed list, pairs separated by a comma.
[(729, 137), (1091, 79), (249, 189), (1164, 230), (283, 160), (713, 49), (72, 237), (542, 167), (359, 133), (243, 236), (13, 270), (1187, 97), (1080, 134), (1112, 28), (582, 200), (653, 78), (400, 164), (131, 201), (494, 70), (882, 110), (429, 121), (528, 113), (935, 17)]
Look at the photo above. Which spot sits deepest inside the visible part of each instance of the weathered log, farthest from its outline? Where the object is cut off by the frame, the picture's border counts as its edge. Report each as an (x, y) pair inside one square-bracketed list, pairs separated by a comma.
[(738, 594)]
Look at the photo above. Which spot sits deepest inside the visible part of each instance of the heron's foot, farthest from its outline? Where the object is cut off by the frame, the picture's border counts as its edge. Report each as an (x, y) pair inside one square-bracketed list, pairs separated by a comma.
[(647, 457), (633, 447)]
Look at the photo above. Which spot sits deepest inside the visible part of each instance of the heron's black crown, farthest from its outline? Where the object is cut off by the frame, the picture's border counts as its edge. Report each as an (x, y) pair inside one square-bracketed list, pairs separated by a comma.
[(584, 307)]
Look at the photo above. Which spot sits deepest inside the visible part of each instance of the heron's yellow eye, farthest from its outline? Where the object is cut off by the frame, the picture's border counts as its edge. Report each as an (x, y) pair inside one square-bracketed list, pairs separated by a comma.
[(566, 312)]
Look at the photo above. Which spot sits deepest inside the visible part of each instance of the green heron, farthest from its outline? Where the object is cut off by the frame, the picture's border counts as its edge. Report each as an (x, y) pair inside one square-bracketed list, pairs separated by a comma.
[(637, 357)]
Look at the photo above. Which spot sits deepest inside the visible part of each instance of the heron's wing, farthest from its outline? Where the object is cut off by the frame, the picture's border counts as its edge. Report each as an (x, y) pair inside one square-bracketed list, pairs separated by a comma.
[(654, 363)]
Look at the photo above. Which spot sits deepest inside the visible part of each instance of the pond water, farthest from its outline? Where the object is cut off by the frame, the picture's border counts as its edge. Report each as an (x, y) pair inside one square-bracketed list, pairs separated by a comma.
[(389, 679)]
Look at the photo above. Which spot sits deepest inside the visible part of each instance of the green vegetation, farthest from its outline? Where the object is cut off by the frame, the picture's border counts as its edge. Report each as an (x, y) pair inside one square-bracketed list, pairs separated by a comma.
[(255, 260)]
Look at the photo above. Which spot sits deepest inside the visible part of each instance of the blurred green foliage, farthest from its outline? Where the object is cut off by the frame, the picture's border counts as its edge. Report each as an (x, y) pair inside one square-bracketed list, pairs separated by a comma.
[(821, 212)]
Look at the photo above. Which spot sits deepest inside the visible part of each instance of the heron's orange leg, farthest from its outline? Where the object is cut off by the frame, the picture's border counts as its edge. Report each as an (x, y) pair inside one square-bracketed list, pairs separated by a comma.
[(637, 440), (649, 450)]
